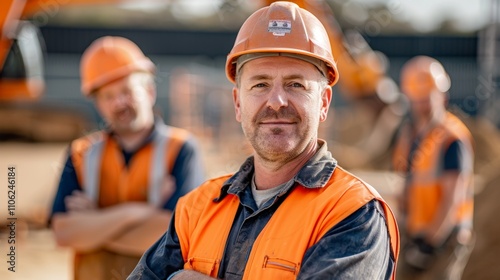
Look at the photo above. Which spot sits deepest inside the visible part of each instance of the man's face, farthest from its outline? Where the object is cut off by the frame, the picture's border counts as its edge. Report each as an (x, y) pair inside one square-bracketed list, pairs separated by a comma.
[(424, 97), (280, 102), (424, 109), (126, 104)]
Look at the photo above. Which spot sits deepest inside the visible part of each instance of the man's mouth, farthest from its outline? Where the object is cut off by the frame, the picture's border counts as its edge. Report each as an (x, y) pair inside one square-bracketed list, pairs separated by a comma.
[(277, 122), (123, 114)]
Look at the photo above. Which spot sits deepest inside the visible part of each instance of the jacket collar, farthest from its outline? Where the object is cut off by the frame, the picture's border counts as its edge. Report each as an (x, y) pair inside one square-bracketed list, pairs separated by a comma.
[(314, 174)]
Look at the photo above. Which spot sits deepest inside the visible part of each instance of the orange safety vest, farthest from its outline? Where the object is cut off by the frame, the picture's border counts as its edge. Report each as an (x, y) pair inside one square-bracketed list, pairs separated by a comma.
[(103, 175), (423, 187), (301, 220)]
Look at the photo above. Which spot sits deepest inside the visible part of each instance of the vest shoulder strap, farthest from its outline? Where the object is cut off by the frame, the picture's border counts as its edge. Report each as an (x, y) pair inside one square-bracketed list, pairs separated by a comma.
[(167, 141), (83, 153)]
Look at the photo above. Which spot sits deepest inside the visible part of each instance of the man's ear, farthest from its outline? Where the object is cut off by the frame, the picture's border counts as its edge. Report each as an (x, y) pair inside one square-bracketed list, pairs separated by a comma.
[(236, 103), (326, 99), (152, 92)]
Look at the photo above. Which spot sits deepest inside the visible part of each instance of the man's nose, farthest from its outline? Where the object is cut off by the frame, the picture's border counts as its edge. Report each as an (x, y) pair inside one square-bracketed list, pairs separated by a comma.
[(278, 98), (120, 100)]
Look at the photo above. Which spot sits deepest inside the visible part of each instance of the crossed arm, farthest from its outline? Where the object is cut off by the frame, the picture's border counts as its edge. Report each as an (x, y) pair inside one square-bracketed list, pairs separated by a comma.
[(128, 228)]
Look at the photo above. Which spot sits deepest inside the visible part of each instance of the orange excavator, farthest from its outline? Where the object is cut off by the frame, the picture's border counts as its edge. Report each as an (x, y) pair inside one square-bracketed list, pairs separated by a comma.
[(21, 58)]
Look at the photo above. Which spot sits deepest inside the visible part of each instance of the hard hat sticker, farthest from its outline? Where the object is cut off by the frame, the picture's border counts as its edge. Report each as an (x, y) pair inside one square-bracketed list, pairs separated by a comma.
[(279, 27)]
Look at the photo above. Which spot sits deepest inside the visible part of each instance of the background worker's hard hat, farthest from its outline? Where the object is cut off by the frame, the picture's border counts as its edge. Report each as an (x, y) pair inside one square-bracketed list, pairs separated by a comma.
[(421, 76), (286, 29), (108, 59)]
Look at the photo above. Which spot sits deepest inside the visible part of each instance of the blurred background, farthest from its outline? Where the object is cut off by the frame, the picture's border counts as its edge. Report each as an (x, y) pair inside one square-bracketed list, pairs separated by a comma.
[(42, 108)]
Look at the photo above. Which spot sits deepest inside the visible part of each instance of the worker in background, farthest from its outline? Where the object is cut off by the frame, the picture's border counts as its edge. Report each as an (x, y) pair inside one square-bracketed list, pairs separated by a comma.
[(434, 150), (290, 211), (119, 185)]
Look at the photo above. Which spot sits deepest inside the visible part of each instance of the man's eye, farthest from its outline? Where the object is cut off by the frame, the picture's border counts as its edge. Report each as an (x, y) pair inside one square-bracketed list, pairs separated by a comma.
[(106, 97), (297, 85), (260, 85)]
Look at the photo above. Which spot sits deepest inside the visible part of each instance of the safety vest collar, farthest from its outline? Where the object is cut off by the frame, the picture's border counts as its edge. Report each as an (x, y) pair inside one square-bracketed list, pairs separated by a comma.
[(314, 174), (156, 131)]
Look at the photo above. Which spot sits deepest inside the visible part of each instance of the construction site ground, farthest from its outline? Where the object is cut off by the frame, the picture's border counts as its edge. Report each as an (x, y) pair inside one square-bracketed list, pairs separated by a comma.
[(38, 166)]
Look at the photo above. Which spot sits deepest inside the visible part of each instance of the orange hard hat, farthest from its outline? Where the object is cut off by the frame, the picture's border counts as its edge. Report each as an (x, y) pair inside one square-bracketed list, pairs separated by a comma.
[(108, 59), (283, 28), (422, 75)]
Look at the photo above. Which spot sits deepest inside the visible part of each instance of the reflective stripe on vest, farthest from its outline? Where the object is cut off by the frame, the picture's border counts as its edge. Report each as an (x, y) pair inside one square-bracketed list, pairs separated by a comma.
[(158, 166), (92, 166)]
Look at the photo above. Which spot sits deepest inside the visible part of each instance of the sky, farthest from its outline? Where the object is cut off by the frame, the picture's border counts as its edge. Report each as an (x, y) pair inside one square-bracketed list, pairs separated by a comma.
[(425, 15)]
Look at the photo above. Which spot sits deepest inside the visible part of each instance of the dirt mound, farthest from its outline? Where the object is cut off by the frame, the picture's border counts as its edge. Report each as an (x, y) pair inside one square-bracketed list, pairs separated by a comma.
[(483, 263)]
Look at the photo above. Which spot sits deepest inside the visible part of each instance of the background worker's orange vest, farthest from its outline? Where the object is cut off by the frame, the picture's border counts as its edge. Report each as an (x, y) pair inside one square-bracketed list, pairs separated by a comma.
[(423, 192), (102, 173), (301, 220)]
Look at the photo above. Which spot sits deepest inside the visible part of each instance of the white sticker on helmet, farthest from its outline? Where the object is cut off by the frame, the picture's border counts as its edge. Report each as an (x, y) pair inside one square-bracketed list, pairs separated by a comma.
[(279, 27)]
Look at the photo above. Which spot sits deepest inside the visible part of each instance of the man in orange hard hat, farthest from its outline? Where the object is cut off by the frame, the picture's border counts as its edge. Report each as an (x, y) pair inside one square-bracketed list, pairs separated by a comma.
[(119, 185), (434, 151), (290, 211)]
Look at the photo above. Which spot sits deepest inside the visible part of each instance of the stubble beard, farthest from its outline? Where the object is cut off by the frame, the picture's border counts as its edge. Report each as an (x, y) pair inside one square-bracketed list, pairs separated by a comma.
[(277, 148), (130, 125), (276, 145)]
